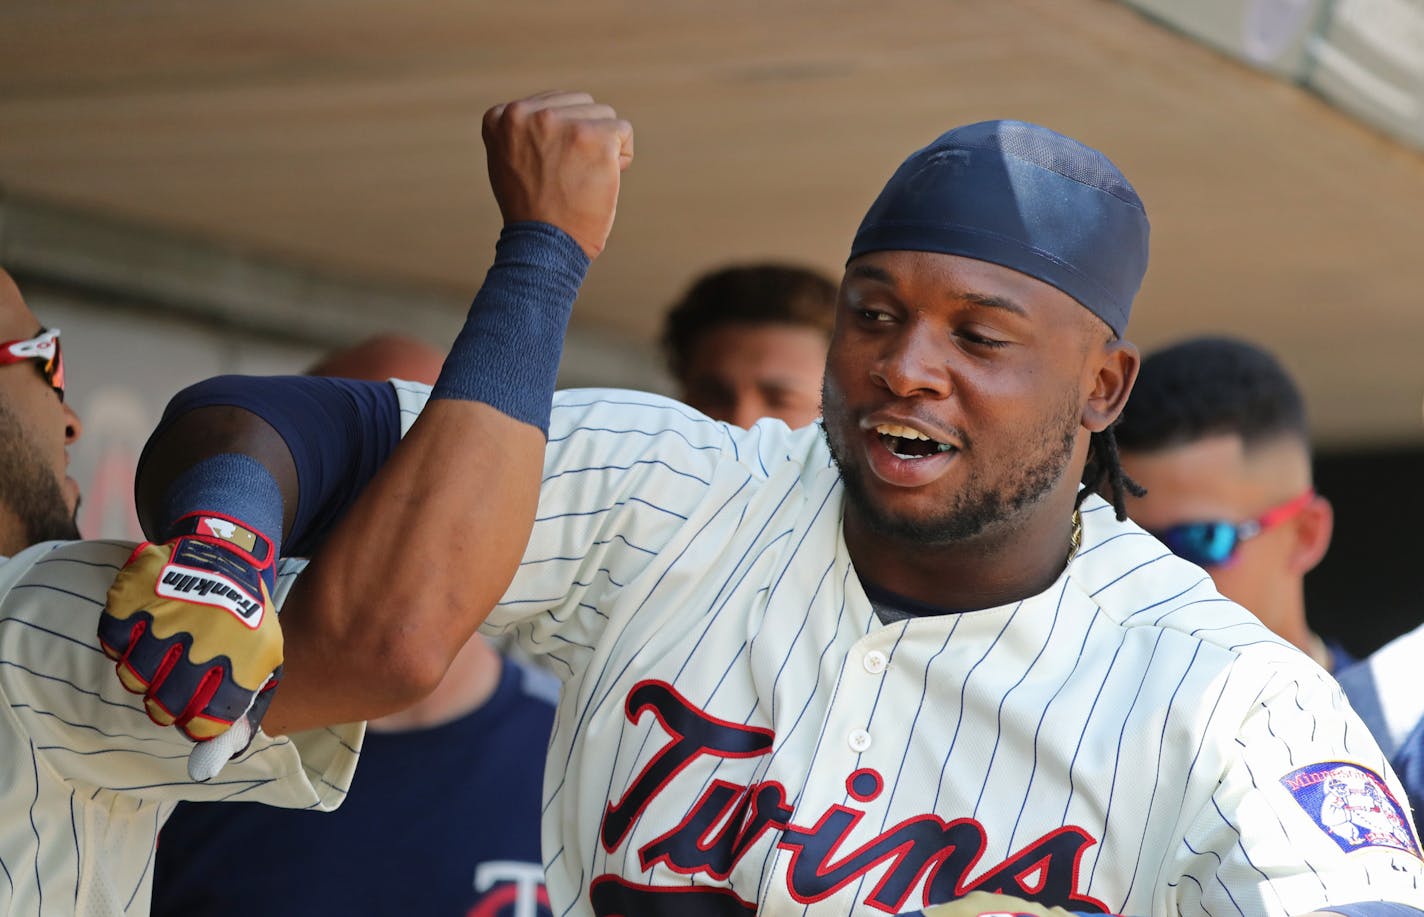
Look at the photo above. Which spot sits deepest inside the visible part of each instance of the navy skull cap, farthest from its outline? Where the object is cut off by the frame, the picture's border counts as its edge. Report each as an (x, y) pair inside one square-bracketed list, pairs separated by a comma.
[(1024, 197)]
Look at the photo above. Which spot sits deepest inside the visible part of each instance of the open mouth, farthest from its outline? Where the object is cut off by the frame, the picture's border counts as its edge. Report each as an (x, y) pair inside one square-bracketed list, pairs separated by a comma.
[(906, 443)]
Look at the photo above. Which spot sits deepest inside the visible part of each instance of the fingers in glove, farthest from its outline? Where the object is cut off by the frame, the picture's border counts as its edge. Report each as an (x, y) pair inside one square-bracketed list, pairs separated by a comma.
[(213, 751), (227, 704), (143, 659), (118, 639), (183, 692), (167, 696)]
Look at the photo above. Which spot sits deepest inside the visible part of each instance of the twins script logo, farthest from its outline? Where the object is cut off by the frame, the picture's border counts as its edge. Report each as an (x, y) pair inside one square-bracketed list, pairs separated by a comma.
[(925, 852)]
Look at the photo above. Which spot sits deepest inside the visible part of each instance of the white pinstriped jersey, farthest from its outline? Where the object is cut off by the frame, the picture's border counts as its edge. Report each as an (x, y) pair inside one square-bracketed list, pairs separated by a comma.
[(738, 730), (88, 778)]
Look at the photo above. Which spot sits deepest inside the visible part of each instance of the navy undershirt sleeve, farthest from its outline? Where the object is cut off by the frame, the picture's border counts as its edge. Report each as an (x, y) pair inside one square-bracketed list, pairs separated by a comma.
[(339, 431)]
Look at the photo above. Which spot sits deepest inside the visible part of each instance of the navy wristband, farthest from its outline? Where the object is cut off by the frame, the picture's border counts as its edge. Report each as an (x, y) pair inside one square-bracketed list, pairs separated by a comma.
[(231, 483), (507, 355)]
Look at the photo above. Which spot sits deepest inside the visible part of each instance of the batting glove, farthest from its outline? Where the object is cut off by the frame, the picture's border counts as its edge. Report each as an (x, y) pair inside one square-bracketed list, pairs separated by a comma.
[(191, 624)]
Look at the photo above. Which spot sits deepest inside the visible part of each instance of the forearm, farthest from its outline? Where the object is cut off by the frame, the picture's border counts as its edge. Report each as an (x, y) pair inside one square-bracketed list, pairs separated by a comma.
[(397, 589), (431, 543), (435, 538)]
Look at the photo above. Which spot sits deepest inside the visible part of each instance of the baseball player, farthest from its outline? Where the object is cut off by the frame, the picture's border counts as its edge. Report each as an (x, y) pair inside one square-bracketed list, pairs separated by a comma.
[(881, 663), (396, 844), (87, 777), (749, 341), (1385, 690), (1216, 433)]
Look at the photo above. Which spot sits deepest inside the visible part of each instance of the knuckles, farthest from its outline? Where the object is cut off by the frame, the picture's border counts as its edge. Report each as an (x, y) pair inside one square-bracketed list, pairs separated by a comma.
[(588, 136), (529, 120), (545, 121)]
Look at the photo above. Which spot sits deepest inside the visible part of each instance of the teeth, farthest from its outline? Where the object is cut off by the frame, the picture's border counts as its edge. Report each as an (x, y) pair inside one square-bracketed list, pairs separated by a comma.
[(894, 429)]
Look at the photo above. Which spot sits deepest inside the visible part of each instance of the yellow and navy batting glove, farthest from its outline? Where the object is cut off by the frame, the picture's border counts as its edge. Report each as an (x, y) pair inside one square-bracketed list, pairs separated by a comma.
[(989, 904), (192, 627)]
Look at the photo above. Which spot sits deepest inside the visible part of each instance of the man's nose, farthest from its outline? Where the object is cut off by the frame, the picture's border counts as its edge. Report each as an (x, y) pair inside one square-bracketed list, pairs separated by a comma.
[(914, 363)]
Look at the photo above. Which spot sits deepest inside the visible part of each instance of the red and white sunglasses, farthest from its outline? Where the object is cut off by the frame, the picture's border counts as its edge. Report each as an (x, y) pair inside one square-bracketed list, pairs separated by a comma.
[(43, 348)]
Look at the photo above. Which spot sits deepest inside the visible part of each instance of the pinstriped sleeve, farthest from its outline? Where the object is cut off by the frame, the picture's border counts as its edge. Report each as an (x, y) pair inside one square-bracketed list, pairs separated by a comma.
[(1306, 812), (62, 699), (630, 482)]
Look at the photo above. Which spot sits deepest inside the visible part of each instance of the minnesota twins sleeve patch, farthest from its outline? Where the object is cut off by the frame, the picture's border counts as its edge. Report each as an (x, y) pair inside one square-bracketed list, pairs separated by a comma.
[(1352, 805)]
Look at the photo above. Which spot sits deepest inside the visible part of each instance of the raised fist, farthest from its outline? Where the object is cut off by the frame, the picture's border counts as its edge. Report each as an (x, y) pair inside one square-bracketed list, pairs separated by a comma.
[(556, 158)]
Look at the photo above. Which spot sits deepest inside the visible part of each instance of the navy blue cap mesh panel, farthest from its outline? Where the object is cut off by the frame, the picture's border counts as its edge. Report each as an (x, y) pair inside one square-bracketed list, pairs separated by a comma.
[(1024, 197)]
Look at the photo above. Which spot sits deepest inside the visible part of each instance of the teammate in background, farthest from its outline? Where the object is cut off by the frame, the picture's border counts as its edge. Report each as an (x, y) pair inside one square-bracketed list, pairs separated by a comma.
[(750, 341), (882, 664), (411, 835), (1385, 690), (38, 499), (381, 357), (1216, 433), (88, 777)]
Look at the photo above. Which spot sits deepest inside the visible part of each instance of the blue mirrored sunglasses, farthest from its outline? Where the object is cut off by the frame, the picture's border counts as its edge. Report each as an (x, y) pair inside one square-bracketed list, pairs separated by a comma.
[(1212, 544)]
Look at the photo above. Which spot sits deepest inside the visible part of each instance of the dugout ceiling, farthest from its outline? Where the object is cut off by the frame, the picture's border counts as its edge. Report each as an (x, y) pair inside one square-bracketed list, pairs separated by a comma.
[(344, 134)]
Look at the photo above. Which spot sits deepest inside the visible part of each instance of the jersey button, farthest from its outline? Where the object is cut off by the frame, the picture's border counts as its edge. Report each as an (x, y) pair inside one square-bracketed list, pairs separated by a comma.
[(859, 740), (875, 662)]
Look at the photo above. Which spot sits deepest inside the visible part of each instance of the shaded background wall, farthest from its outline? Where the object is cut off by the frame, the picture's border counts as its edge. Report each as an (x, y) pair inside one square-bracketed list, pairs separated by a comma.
[(1370, 587)]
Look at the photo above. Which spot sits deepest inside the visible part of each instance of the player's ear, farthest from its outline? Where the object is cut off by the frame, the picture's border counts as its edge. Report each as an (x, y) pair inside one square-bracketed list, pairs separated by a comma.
[(1114, 370), (1313, 528)]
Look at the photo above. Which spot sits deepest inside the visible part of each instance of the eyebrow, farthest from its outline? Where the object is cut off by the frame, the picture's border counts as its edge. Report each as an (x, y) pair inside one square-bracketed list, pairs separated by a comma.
[(783, 384), (994, 302), (871, 272), (987, 300)]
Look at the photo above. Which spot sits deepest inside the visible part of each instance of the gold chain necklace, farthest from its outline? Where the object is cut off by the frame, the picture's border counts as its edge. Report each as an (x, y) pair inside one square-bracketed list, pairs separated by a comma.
[(1076, 539)]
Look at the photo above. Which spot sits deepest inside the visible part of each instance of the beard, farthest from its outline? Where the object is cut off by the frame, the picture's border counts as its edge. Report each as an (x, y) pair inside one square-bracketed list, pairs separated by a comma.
[(979, 505), (29, 487)]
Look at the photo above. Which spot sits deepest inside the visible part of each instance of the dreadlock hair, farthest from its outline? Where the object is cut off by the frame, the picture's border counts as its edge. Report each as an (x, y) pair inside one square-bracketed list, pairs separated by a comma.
[(1105, 468)]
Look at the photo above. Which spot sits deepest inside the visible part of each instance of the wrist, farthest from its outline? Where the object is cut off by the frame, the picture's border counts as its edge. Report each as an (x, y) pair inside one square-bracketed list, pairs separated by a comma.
[(507, 355), (212, 526), (544, 247), (229, 497)]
